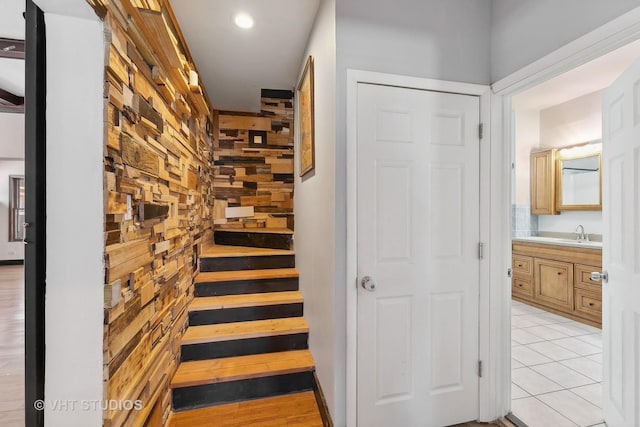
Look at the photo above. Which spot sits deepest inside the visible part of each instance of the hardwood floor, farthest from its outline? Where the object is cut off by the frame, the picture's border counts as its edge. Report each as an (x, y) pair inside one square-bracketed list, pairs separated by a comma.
[(212, 250), (12, 346), (298, 409)]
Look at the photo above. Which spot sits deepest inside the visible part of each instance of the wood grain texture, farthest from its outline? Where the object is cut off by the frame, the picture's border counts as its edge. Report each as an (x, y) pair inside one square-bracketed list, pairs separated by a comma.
[(543, 200), (213, 251), (242, 367), (228, 276), (244, 330), (298, 409), (247, 300), (256, 175), (556, 278), (158, 204), (12, 346)]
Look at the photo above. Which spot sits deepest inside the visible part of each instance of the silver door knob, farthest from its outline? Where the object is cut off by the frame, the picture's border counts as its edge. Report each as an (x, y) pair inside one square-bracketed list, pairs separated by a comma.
[(368, 284), (597, 276)]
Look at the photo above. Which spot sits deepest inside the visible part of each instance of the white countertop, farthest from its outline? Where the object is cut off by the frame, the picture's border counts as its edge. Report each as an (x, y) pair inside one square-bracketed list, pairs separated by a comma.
[(558, 242)]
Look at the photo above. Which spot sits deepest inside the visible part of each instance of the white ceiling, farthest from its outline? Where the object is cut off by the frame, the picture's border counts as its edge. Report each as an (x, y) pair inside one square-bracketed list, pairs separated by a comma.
[(235, 64), (588, 78), (12, 26)]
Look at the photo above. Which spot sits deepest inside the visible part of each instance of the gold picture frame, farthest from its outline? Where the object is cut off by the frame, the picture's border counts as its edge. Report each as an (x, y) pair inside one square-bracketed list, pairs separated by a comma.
[(306, 147)]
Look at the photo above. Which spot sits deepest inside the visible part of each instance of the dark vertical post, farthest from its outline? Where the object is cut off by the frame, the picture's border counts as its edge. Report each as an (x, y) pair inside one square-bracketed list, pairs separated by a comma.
[(35, 211)]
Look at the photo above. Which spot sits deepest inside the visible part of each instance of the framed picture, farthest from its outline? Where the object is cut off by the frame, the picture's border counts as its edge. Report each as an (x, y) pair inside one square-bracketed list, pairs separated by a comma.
[(305, 110), (257, 138)]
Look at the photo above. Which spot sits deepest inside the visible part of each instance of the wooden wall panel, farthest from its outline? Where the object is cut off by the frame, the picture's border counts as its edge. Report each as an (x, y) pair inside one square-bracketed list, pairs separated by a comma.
[(253, 175), (159, 200)]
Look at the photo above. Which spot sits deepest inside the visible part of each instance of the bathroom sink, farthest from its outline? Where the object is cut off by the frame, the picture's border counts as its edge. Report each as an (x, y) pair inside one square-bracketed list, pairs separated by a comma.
[(559, 241)]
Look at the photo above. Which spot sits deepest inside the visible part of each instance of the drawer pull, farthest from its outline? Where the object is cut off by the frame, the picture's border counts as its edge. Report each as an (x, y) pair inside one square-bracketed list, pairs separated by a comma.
[(559, 273), (519, 265), (520, 284), (590, 304)]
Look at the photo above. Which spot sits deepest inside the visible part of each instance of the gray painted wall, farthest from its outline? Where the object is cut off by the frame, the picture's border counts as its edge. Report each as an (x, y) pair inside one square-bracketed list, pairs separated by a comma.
[(523, 31), (315, 231), (439, 39)]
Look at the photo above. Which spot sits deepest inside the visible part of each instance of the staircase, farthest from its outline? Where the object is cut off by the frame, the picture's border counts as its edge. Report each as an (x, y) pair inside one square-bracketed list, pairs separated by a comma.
[(246, 344)]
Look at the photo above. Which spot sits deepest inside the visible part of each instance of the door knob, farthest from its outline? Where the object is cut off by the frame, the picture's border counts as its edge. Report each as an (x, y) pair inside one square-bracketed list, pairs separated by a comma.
[(368, 283), (597, 276)]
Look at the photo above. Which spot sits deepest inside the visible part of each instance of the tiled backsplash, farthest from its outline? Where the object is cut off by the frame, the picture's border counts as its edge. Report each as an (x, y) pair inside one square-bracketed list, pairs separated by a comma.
[(523, 224)]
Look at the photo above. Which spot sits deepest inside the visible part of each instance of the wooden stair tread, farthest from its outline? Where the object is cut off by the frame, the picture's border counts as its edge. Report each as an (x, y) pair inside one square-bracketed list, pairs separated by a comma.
[(201, 372), (243, 330), (222, 251), (256, 230), (299, 409), (245, 300), (233, 275)]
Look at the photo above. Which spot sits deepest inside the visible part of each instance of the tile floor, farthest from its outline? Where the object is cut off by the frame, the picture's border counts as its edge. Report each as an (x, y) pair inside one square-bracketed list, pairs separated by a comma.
[(556, 369)]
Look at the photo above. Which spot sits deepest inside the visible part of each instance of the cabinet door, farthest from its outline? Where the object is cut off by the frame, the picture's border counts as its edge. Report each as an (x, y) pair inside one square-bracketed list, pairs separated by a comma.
[(583, 278), (543, 183), (589, 305), (523, 265), (522, 287), (553, 283)]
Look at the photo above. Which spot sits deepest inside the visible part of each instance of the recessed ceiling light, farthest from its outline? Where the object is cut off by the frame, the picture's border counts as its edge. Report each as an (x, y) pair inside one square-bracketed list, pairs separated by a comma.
[(243, 20)]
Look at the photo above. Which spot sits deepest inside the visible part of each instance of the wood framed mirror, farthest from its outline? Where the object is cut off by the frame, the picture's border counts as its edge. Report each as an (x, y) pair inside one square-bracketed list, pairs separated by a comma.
[(579, 177)]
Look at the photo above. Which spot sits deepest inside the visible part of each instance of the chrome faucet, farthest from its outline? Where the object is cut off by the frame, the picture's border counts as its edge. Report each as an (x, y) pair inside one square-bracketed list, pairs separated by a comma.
[(581, 236)]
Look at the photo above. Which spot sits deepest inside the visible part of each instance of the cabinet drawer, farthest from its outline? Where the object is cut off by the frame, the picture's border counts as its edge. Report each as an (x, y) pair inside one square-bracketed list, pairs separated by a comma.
[(554, 283), (589, 304), (583, 278), (522, 264), (522, 286)]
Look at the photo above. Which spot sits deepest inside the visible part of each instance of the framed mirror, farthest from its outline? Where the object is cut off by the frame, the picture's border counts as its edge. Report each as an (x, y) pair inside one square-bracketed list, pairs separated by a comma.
[(579, 178)]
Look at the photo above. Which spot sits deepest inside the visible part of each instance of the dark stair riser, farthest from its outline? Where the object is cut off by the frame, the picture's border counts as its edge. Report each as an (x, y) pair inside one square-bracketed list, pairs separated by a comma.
[(185, 398), (244, 347), (240, 287), (246, 263), (245, 314), (256, 240)]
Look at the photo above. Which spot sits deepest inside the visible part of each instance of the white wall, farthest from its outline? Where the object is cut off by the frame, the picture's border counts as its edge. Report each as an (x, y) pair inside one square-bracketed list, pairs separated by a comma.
[(527, 130), (526, 30), (315, 231), (75, 220), (572, 122), (8, 250), (448, 40), (11, 136), (567, 222), (11, 21), (11, 163)]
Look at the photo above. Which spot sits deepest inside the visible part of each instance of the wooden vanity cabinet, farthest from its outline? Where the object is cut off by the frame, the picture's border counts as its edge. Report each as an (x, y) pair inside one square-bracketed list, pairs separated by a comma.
[(543, 183), (557, 279), (553, 283)]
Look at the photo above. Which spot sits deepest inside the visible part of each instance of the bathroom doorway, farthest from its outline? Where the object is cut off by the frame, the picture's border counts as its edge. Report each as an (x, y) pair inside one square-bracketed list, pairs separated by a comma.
[(556, 306)]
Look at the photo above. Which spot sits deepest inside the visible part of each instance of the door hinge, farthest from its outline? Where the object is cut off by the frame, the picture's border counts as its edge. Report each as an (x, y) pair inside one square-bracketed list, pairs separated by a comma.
[(480, 250), (509, 272), (481, 130), (480, 368)]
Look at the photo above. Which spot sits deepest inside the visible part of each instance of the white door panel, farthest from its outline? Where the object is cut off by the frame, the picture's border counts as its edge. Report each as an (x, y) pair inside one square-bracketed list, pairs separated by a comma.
[(418, 232), (621, 249)]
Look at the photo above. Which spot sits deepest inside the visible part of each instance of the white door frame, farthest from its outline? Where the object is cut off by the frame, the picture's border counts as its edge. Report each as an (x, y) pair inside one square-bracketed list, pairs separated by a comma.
[(354, 77), (612, 35)]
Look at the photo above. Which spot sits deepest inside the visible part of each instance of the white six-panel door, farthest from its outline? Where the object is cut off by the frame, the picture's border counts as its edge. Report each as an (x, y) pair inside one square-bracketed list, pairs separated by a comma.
[(621, 250), (418, 232)]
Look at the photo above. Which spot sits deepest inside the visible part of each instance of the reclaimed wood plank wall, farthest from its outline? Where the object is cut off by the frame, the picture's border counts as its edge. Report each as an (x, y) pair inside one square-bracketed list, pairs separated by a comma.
[(158, 192), (253, 182)]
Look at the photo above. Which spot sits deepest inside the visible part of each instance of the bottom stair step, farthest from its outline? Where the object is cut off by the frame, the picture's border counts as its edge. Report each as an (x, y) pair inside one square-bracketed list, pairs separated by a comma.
[(203, 383), (299, 409)]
